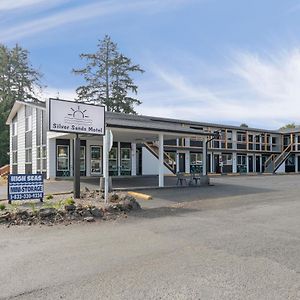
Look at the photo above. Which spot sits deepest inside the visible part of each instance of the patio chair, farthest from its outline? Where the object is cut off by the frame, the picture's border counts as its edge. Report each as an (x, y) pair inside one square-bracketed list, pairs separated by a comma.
[(181, 178)]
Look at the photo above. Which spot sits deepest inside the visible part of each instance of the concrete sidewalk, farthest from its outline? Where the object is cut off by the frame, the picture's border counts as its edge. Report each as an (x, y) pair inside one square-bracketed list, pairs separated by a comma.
[(93, 183)]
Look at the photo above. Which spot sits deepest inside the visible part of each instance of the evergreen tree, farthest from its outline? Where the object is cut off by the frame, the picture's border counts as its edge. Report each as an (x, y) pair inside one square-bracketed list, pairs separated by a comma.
[(289, 126), (108, 78), (18, 81)]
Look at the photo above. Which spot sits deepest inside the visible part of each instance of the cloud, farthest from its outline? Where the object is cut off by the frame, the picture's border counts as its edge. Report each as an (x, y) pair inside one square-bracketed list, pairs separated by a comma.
[(80, 13), (262, 91), (10, 5), (7, 5)]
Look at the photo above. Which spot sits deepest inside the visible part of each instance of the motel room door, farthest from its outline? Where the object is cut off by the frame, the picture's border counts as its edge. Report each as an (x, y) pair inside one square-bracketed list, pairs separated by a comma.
[(250, 164), (182, 162), (257, 164), (217, 167)]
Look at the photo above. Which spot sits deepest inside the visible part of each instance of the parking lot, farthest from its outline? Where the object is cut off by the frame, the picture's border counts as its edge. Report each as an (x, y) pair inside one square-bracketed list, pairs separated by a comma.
[(238, 239)]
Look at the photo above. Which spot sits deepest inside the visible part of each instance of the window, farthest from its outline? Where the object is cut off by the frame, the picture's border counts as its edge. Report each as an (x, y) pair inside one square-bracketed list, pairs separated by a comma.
[(241, 159), (62, 158), (82, 158), (28, 123), (96, 160), (196, 158), (181, 142), (227, 159), (125, 161), (14, 128), (229, 135), (196, 162), (113, 161), (241, 137), (38, 152), (44, 157), (15, 157), (28, 155)]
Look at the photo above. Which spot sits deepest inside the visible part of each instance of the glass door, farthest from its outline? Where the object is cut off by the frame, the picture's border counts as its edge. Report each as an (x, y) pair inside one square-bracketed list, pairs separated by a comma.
[(125, 161), (113, 162), (96, 166)]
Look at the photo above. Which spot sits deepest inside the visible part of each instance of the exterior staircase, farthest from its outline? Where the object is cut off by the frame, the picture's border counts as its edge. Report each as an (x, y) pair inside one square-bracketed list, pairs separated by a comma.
[(275, 161), (168, 160)]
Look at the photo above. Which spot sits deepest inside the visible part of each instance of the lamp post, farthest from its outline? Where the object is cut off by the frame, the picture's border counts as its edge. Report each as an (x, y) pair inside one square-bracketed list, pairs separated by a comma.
[(216, 135)]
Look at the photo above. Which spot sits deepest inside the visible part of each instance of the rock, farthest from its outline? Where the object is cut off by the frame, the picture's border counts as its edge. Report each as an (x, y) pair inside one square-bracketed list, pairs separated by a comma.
[(96, 212), (70, 207), (129, 198), (5, 217), (86, 213), (22, 213), (114, 197), (89, 219), (47, 212), (135, 205)]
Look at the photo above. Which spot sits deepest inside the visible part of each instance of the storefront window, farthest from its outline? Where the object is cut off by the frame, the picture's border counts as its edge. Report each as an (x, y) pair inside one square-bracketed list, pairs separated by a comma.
[(62, 158), (125, 161), (196, 162), (95, 160), (82, 158), (113, 162)]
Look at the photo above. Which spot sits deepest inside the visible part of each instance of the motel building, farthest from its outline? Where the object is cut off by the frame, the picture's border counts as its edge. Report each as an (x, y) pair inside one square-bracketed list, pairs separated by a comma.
[(145, 145)]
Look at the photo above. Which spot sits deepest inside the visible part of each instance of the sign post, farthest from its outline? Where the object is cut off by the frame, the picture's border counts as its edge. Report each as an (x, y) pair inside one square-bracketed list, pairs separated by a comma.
[(76, 187), (107, 145), (78, 118)]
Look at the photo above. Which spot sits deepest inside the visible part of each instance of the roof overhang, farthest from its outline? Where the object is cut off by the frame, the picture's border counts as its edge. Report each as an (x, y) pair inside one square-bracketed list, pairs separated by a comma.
[(18, 104)]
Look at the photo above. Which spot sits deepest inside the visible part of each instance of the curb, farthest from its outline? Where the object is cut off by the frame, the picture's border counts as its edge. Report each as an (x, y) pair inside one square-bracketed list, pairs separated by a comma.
[(140, 195)]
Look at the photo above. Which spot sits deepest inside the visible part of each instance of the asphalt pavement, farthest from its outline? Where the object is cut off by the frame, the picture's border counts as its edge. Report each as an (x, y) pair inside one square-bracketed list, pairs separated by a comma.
[(237, 240)]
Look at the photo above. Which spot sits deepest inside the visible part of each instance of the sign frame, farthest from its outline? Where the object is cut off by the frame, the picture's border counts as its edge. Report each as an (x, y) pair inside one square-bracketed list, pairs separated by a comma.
[(39, 194), (75, 103)]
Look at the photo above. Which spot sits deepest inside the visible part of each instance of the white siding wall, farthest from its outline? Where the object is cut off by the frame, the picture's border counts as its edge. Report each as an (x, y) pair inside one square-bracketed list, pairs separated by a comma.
[(51, 159), (150, 163), (21, 140), (10, 147), (34, 154)]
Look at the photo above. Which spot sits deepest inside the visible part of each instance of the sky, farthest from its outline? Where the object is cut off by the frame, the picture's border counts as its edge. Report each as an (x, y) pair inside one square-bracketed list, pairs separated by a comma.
[(222, 61)]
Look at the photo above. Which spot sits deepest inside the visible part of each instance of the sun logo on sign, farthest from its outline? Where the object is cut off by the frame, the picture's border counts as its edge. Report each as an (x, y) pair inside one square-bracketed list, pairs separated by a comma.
[(78, 116)]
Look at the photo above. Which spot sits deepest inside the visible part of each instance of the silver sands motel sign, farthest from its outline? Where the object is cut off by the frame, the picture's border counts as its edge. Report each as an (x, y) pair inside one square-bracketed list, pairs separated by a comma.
[(76, 117)]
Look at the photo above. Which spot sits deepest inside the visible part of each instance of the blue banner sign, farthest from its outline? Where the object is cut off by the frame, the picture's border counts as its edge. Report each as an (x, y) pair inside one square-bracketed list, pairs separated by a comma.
[(25, 186)]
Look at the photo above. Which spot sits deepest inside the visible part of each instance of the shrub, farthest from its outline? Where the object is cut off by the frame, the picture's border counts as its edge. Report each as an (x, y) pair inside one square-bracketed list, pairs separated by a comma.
[(49, 197), (2, 206), (33, 207), (69, 201)]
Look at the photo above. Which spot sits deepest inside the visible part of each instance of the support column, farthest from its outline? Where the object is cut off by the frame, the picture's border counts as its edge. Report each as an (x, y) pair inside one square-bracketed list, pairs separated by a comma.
[(204, 157), (133, 159), (105, 165), (161, 161), (234, 162)]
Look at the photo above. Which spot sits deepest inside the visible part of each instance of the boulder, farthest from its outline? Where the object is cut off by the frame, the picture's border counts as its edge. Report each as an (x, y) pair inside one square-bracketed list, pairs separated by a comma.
[(5, 217), (86, 213), (47, 212), (70, 207), (114, 197), (89, 219), (96, 212)]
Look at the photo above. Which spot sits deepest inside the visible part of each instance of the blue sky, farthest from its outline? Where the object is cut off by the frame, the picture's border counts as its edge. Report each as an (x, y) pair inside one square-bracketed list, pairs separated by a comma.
[(225, 61)]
